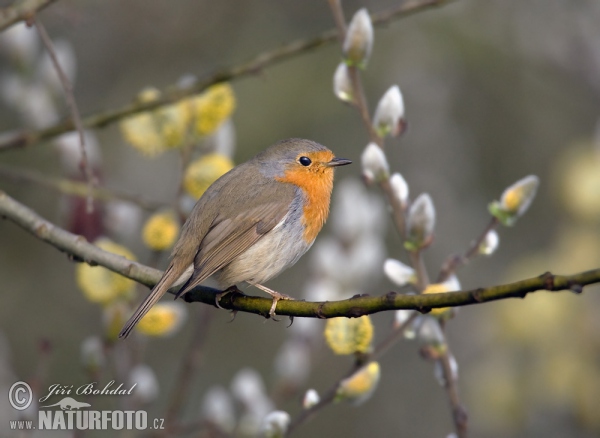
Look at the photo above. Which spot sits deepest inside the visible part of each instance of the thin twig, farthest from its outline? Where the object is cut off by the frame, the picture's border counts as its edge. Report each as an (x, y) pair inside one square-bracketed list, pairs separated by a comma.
[(188, 369), (20, 10), (329, 396), (70, 98), (455, 261), (362, 105), (394, 336), (397, 208), (75, 188), (10, 140), (185, 156), (338, 17), (459, 413)]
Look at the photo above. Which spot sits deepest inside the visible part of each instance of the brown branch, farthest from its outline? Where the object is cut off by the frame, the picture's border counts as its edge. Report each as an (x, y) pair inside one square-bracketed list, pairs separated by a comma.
[(70, 98), (459, 413), (338, 17), (75, 188), (81, 250), (21, 10), (77, 247), (173, 94)]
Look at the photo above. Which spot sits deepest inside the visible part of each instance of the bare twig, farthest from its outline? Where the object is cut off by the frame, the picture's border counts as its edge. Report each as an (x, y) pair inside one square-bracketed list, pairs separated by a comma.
[(394, 336), (256, 64), (188, 369), (338, 17), (75, 188), (70, 98), (330, 394), (361, 104), (20, 10), (455, 261), (459, 413)]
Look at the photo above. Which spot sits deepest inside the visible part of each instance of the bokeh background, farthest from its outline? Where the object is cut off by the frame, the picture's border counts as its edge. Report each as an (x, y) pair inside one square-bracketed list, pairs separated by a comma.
[(494, 91)]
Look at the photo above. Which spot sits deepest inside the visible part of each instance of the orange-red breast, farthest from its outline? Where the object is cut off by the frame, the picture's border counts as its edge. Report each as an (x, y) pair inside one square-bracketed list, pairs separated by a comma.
[(253, 222)]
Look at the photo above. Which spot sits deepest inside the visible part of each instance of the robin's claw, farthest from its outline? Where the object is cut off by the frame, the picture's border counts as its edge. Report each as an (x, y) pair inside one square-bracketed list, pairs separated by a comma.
[(276, 297), (233, 315), (218, 298), (291, 321), (232, 289)]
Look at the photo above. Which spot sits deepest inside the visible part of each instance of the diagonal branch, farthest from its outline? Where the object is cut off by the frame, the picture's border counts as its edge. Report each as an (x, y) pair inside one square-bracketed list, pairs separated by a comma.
[(70, 98), (75, 246), (250, 67), (80, 249)]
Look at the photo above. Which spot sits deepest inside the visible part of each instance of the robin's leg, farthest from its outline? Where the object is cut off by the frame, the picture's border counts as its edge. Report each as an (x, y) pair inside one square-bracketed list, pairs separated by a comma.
[(276, 297)]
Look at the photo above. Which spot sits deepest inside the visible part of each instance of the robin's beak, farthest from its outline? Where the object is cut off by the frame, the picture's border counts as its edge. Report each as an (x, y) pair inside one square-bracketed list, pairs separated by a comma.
[(338, 162)]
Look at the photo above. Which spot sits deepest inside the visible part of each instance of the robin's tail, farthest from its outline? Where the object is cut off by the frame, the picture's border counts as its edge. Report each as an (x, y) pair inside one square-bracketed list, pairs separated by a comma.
[(156, 294)]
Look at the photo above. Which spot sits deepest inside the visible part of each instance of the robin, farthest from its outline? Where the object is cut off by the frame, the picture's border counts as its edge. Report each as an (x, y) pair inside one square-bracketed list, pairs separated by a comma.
[(252, 223)]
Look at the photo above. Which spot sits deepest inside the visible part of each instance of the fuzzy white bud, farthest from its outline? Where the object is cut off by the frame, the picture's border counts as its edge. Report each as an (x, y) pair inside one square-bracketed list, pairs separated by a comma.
[(65, 54), (217, 409), (275, 424), (342, 85), (224, 139), (452, 284), (21, 43), (359, 39), (400, 188), (310, 399), (248, 386), (146, 388), (401, 316), (69, 148), (389, 113), (490, 243), (440, 376), (398, 273), (430, 332), (92, 353), (292, 363), (375, 166), (421, 222)]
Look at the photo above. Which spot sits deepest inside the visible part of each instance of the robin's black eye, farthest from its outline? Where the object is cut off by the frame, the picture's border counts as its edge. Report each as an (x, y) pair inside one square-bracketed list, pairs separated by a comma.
[(305, 161)]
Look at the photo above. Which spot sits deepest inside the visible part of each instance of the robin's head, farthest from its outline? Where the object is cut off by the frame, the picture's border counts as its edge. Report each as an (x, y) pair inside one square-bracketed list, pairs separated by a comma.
[(309, 166), (298, 159)]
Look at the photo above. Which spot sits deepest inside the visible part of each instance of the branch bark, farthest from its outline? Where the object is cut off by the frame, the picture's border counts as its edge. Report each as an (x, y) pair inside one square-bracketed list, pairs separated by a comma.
[(173, 94), (81, 250)]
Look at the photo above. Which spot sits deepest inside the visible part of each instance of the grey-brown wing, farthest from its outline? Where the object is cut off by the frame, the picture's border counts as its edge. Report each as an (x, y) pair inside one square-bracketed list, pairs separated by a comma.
[(231, 236)]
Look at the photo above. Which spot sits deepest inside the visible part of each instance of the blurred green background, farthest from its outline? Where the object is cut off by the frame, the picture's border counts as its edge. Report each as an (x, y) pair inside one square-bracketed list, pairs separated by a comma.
[(494, 91)]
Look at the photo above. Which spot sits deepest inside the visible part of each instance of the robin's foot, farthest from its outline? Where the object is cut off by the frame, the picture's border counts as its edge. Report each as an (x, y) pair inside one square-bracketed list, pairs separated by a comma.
[(229, 290), (276, 297)]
